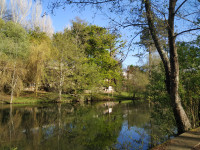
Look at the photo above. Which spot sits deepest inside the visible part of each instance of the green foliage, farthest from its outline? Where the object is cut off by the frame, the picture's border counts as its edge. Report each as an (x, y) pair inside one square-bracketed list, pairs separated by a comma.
[(14, 40), (136, 81), (100, 47), (162, 112), (73, 69), (189, 58)]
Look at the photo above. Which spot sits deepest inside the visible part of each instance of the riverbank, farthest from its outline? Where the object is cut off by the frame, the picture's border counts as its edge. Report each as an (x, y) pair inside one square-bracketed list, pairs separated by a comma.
[(49, 97), (187, 141)]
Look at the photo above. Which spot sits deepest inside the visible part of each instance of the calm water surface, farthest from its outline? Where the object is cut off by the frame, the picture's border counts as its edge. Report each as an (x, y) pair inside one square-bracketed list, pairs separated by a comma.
[(97, 126)]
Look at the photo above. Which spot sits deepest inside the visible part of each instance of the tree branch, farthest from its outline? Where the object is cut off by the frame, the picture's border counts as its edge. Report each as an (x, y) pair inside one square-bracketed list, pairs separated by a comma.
[(124, 24), (180, 6), (89, 2), (187, 20), (128, 24), (129, 47), (143, 24), (59, 3), (186, 31), (163, 13)]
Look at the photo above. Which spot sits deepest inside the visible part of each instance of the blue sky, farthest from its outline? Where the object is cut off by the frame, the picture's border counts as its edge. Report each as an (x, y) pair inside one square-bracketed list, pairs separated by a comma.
[(63, 17)]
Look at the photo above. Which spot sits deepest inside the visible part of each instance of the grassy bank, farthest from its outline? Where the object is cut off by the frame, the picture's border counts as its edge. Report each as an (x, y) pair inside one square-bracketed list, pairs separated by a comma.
[(30, 98), (49, 97)]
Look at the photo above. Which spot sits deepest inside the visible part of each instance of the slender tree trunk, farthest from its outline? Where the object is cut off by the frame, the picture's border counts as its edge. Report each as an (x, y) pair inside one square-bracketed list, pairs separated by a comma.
[(11, 96), (13, 84), (60, 94), (61, 81), (182, 120), (36, 88), (37, 76)]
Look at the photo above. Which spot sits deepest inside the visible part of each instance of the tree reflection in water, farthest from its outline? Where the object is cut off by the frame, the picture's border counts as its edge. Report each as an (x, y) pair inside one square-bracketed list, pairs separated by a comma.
[(74, 126)]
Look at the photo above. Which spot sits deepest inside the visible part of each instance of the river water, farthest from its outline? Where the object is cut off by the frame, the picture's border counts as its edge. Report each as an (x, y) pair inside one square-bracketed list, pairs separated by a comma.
[(96, 126)]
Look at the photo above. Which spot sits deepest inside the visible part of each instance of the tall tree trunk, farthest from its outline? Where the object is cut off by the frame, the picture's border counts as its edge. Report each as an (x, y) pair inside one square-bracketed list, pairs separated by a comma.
[(36, 77), (11, 95), (182, 120), (36, 89), (171, 67), (60, 94), (61, 81)]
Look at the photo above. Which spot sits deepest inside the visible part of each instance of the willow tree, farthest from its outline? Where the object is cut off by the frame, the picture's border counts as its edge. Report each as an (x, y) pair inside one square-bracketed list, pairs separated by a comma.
[(40, 49), (170, 12)]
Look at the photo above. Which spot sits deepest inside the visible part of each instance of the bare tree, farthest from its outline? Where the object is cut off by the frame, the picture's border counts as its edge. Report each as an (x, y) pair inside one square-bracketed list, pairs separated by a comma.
[(46, 25), (36, 14), (2, 8), (20, 10), (41, 21)]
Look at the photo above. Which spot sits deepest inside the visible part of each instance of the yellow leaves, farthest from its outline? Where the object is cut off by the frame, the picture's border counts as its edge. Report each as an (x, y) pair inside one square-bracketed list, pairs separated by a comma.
[(40, 52)]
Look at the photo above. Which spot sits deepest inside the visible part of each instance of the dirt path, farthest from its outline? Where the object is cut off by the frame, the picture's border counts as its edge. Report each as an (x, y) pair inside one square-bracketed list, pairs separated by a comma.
[(187, 141)]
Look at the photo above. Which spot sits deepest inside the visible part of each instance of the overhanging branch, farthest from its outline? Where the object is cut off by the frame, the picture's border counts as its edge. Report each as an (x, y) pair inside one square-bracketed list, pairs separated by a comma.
[(186, 31), (187, 20), (89, 2), (129, 47), (180, 6)]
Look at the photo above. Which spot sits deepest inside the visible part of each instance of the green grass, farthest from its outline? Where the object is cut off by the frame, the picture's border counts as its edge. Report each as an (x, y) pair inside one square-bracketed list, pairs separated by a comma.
[(126, 101), (30, 98), (123, 96), (50, 97)]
